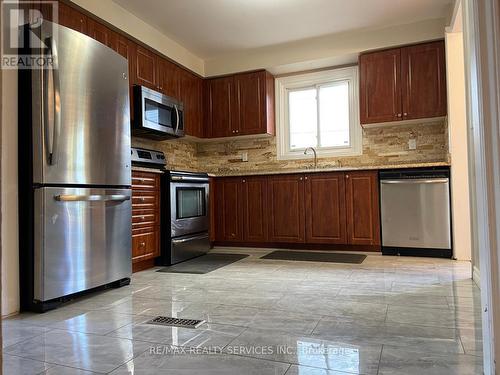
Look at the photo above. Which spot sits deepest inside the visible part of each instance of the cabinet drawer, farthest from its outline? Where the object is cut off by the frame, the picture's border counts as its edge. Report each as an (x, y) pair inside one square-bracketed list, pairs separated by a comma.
[(145, 246), (145, 181), (144, 220), (145, 200)]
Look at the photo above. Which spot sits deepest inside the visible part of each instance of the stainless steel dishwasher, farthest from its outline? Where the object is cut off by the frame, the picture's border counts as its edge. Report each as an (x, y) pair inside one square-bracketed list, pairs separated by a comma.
[(415, 212)]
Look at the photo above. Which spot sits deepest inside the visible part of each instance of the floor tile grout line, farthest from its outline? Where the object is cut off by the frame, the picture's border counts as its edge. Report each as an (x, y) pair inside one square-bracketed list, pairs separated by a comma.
[(53, 364), (462, 343), (380, 358), (131, 359), (24, 340)]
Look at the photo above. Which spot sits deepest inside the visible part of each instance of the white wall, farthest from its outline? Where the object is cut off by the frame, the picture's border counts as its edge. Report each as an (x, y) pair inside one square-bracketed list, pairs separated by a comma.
[(457, 125), (331, 50)]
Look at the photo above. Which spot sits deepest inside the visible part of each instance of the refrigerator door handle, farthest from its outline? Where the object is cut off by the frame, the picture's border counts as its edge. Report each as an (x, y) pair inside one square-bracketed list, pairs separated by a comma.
[(52, 127), (92, 198)]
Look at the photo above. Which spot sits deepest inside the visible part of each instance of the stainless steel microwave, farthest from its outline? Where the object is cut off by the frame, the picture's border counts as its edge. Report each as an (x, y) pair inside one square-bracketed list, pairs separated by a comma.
[(157, 116)]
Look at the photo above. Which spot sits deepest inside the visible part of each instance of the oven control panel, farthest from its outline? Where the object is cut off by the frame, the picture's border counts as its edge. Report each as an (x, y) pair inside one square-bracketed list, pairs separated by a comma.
[(142, 156)]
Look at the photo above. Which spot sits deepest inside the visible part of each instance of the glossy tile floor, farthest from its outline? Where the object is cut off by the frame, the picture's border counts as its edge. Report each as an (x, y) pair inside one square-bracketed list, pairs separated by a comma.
[(389, 315)]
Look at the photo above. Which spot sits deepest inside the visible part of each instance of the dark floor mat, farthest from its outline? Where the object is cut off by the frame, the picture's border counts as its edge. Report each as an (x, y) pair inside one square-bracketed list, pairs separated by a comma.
[(204, 264), (312, 256)]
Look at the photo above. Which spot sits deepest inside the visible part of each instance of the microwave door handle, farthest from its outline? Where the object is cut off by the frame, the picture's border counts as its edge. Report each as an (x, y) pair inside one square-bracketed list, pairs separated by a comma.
[(177, 119), (52, 126)]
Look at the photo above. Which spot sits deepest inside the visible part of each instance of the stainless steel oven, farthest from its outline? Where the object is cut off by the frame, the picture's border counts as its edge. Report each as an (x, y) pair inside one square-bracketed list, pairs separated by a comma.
[(189, 217), (157, 116), (188, 203)]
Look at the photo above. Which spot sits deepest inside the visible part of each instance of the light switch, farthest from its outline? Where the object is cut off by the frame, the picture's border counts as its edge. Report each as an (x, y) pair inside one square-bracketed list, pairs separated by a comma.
[(412, 144), (244, 156)]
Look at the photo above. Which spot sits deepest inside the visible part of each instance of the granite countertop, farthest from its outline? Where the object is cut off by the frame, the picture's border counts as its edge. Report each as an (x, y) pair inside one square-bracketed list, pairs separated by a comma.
[(326, 169), (236, 173)]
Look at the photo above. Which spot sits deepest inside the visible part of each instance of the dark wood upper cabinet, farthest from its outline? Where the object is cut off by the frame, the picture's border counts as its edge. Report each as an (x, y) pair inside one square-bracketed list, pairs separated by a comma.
[(403, 83), (325, 208), (228, 217), (72, 18), (219, 106), (286, 208), (362, 204), (252, 92), (102, 34), (241, 104), (254, 208), (168, 78), (191, 94), (146, 67), (380, 87), (423, 68)]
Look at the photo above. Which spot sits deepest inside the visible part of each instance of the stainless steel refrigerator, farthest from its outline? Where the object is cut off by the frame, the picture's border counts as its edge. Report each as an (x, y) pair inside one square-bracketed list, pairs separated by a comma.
[(74, 170)]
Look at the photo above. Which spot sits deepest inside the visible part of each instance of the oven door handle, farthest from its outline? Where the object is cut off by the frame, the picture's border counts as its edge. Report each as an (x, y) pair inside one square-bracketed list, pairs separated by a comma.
[(188, 179), (200, 237)]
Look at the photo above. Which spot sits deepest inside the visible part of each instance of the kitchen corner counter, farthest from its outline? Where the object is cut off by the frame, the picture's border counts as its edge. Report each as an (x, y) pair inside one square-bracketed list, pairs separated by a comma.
[(229, 173)]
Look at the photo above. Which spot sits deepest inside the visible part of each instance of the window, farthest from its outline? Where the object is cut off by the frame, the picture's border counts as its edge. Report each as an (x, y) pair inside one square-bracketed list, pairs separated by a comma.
[(318, 110)]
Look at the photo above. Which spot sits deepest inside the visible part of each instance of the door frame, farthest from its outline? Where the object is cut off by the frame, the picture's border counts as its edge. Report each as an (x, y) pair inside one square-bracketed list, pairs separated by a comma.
[(482, 66)]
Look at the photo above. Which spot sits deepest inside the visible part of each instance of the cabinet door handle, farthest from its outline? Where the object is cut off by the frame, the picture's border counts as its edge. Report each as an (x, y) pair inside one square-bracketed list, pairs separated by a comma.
[(405, 114), (399, 114), (300, 179), (305, 178), (244, 181), (142, 244), (346, 176)]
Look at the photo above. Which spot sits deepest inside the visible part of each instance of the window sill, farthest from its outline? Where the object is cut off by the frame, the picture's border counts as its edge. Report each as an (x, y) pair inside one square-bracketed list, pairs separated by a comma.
[(320, 154)]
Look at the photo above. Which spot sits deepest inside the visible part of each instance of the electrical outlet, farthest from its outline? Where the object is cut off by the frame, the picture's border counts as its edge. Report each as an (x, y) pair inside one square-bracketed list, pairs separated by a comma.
[(412, 144), (244, 156)]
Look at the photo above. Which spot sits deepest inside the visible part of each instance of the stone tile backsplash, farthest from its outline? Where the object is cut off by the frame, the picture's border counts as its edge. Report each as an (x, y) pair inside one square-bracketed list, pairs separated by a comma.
[(386, 145)]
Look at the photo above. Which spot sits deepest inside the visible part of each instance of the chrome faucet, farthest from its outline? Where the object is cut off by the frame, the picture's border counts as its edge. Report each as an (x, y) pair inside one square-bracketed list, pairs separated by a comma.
[(315, 155)]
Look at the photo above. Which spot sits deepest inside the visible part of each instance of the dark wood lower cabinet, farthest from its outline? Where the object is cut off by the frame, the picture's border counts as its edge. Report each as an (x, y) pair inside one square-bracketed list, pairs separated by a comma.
[(145, 219), (286, 208), (254, 208), (227, 205), (312, 210), (325, 208), (362, 202)]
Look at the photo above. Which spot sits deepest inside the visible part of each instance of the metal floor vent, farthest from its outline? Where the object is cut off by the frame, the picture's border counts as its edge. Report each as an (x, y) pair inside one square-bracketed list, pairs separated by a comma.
[(175, 322)]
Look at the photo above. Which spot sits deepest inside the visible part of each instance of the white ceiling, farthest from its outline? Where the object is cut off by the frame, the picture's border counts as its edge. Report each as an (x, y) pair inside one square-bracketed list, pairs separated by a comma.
[(210, 28)]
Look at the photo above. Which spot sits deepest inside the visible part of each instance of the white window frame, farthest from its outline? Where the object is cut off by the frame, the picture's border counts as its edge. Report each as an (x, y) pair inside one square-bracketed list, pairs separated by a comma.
[(310, 80)]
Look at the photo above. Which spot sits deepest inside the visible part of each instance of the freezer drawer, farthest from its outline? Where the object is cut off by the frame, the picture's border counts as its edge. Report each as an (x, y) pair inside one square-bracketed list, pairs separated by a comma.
[(82, 239), (416, 213)]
